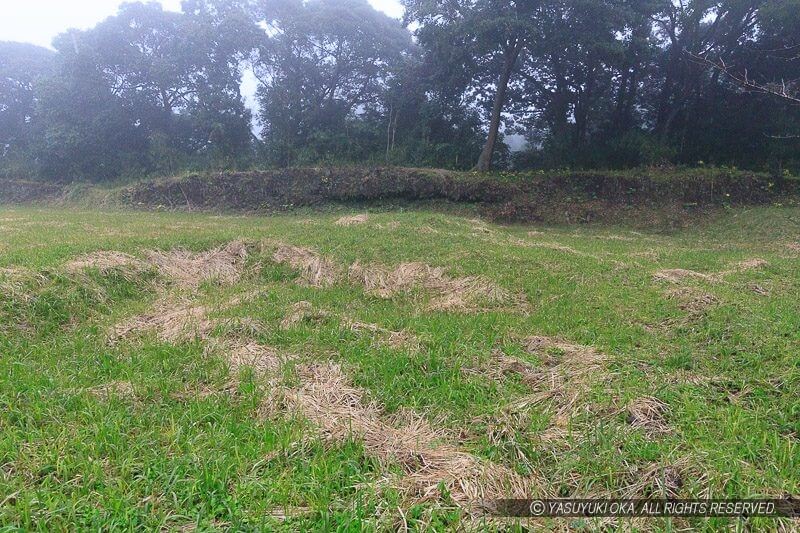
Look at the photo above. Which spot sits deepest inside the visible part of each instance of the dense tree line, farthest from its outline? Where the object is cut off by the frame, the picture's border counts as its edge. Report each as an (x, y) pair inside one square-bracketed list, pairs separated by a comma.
[(587, 83)]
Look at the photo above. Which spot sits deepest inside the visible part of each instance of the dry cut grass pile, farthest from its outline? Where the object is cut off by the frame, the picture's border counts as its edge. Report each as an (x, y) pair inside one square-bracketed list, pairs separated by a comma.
[(691, 299), (386, 282), (119, 389), (352, 220), (302, 312), (171, 322), (649, 414), (105, 261), (324, 395), (263, 360), (750, 264), (399, 340), (15, 282), (340, 410), (679, 275), (568, 372), (449, 294), (191, 269), (185, 268), (314, 269), (471, 293)]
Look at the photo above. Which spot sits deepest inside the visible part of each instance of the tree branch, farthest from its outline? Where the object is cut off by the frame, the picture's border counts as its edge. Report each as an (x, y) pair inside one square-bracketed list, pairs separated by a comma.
[(786, 91)]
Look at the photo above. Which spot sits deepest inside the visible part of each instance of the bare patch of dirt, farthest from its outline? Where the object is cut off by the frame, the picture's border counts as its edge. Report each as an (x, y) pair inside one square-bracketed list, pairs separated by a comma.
[(104, 261), (450, 294), (326, 397), (191, 269), (793, 247), (648, 414), (302, 312), (314, 269), (352, 220), (171, 322)]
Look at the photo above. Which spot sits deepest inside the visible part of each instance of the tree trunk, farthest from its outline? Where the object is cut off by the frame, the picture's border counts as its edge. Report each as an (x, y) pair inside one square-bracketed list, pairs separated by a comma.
[(583, 105), (511, 54), (389, 136)]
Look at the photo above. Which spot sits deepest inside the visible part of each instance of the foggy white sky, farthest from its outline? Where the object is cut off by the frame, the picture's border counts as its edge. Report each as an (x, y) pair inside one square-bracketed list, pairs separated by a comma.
[(39, 21)]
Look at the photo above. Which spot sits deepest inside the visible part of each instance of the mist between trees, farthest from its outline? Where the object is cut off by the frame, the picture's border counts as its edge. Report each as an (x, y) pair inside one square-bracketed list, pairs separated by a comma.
[(588, 83)]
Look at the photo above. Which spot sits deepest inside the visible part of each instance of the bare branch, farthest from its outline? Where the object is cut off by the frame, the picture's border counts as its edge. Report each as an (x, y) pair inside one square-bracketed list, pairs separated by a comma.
[(786, 91), (782, 137)]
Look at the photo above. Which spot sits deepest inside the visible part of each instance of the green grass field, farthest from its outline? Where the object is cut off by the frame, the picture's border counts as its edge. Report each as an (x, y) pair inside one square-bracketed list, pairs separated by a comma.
[(273, 386)]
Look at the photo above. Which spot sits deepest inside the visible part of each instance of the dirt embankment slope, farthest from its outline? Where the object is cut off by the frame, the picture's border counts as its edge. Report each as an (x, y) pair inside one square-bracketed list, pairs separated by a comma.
[(25, 191), (541, 196)]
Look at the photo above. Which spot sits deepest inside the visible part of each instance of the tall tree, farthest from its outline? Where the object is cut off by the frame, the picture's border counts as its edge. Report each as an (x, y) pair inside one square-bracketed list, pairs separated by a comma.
[(168, 64), (83, 129), (321, 64), (21, 66), (696, 27), (581, 79), (476, 45)]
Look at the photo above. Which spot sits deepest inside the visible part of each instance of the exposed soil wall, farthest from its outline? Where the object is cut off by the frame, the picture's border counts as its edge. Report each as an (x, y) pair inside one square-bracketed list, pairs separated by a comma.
[(312, 186), (23, 191), (556, 197)]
